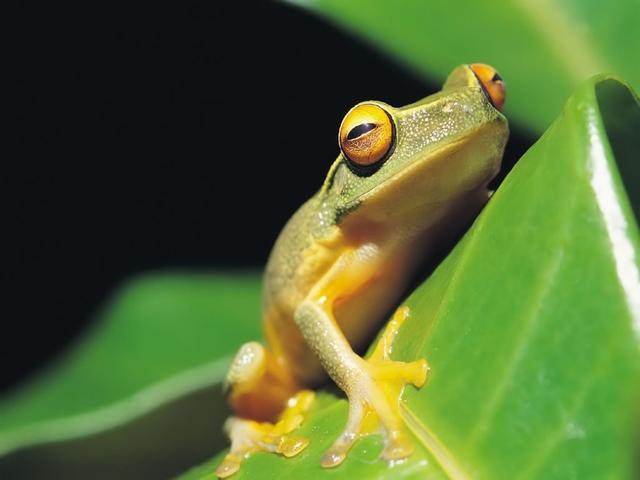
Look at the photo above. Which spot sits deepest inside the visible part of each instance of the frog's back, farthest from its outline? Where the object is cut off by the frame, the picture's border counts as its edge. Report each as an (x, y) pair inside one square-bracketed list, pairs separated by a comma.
[(303, 252)]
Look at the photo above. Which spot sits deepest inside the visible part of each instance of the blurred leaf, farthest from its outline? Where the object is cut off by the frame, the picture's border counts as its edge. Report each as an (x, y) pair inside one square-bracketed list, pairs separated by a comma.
[(531, 325), (542, 48), (163, 337)]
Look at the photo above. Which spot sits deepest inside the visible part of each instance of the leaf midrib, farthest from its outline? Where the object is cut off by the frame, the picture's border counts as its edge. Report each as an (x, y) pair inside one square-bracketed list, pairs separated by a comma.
[(93, 422)]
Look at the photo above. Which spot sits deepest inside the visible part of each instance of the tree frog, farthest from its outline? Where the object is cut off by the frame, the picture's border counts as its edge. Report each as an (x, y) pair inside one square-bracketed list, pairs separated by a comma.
[(406, 181)]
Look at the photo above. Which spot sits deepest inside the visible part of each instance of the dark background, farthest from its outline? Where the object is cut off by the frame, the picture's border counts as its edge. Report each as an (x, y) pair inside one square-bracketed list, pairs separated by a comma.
[(156, 135)]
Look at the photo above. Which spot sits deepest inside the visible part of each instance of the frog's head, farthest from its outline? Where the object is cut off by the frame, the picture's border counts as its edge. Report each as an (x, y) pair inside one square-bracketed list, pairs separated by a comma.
[(399, 164)]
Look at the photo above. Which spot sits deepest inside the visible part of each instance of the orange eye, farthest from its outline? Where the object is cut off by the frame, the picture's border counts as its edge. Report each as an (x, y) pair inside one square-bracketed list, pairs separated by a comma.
[(491, 82), (366, 134)]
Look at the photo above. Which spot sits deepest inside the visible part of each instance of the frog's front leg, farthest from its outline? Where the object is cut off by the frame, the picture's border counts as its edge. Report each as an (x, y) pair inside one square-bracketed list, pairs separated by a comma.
[(373, 386)]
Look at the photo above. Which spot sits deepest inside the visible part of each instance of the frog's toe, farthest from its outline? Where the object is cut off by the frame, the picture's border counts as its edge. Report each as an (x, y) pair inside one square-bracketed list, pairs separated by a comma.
[(338, 451), (374, 400), (229, 466), (398, 445), (249, 436)]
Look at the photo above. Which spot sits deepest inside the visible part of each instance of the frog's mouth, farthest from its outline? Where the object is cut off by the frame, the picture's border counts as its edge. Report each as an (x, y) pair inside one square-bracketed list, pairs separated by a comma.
[(462, 165)]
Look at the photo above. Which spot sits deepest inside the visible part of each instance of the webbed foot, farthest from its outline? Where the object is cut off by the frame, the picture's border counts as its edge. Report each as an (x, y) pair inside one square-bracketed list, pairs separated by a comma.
[(248, 436), (374, 399)]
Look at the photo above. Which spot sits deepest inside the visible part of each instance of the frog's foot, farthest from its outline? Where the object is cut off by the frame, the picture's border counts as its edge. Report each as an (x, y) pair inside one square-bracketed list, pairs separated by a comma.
[(248, 436), (374, 399)]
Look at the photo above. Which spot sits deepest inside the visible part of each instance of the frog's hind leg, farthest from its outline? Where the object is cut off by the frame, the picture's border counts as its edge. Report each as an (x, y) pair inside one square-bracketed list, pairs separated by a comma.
[(258, 386), (262, 396)]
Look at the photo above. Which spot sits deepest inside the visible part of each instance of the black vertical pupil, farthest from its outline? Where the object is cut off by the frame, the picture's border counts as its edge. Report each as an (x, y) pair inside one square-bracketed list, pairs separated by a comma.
[(361, 129)]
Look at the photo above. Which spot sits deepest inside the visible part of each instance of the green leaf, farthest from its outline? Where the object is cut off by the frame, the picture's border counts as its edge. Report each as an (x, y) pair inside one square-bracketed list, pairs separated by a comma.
[(531, 325), (543, 48), (164, 337)]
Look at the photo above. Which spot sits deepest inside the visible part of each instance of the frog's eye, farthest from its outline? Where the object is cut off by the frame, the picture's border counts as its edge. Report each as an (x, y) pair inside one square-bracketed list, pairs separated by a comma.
[(366, 134), (491, 82)]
